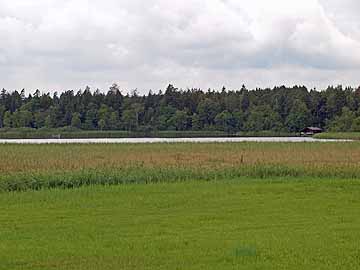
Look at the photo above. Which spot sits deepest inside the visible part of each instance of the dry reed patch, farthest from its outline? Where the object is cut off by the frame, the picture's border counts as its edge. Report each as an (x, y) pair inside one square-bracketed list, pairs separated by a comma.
[(43, 158)]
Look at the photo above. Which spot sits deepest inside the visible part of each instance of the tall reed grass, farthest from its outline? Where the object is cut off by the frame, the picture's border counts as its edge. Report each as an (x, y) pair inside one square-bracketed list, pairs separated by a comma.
[(25, 167)]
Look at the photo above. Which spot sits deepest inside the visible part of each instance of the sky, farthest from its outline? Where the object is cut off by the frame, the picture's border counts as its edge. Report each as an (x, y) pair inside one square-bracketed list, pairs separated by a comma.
[(56, 45)]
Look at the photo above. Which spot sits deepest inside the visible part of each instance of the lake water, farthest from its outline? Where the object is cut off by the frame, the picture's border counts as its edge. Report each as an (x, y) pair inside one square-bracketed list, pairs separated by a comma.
[(166, 140)]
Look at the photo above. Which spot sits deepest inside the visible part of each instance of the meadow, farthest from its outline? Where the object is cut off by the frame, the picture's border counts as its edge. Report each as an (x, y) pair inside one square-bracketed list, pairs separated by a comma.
[(180, 206), (257, 224)]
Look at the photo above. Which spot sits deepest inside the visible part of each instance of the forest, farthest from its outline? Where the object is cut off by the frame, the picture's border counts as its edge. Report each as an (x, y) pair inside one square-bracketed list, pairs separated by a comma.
[(280, 109)]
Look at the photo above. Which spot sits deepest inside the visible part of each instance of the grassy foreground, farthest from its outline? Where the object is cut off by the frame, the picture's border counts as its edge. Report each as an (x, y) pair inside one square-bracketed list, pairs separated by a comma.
[(267, 206), (24, 167), (264, 224)]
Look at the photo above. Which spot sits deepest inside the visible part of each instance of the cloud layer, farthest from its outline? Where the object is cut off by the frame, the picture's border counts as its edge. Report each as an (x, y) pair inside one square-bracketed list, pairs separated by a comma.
[(57, 45)]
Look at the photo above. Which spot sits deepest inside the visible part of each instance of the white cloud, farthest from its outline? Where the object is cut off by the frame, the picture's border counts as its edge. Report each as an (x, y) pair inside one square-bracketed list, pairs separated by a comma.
[(56, 45)]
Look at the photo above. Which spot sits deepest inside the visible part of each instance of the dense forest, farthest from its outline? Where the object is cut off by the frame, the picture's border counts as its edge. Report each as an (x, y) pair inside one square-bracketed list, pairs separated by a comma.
[(280, 109)]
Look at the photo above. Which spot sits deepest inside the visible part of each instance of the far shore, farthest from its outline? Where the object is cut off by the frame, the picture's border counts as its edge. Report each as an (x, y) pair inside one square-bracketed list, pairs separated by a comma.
[(69, 133)]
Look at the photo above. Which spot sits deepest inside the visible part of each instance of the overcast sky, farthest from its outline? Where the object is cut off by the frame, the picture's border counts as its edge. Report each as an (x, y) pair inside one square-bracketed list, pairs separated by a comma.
[(147, 44)]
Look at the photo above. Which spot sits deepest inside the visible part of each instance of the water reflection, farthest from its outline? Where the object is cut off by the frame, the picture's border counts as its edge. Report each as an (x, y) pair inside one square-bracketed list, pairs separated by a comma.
[(167, 140)]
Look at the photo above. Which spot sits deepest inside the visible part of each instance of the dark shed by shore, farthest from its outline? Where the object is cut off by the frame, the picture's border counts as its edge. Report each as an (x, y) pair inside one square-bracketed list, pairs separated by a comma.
[(309, 131)]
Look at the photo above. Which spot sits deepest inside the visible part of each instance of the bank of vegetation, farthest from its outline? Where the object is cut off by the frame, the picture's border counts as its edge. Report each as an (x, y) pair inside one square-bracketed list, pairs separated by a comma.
[(280, 110), (75, 133)]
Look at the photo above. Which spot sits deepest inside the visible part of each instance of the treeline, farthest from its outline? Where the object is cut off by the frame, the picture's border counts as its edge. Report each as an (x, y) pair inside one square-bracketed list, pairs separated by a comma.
[(280, 109)]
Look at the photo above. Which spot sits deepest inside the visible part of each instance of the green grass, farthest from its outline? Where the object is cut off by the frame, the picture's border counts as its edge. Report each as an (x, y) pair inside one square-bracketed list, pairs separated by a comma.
[(238, 224), (339, 135)]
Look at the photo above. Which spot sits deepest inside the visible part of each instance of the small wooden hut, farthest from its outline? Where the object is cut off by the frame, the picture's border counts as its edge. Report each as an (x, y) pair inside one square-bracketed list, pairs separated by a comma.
[(310, 131)]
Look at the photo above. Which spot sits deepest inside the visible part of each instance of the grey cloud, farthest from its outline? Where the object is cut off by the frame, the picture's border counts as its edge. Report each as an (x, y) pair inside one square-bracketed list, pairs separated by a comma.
[(344, 15), (147, 44)]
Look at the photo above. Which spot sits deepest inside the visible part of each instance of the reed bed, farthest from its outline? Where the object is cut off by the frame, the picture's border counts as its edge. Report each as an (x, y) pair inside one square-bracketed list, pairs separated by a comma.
[(25, 167)]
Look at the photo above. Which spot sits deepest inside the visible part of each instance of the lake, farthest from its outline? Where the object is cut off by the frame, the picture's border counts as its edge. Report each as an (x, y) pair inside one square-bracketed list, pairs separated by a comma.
[(166, 140)]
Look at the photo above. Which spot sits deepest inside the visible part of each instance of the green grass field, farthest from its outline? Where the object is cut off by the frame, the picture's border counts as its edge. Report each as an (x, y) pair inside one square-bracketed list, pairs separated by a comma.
[(257, 224), (180, 206)]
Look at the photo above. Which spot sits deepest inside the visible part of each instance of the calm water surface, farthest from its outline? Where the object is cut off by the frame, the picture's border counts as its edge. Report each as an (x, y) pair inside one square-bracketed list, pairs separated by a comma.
[(167, 140)]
